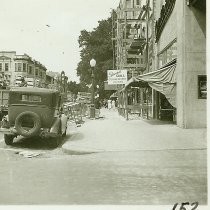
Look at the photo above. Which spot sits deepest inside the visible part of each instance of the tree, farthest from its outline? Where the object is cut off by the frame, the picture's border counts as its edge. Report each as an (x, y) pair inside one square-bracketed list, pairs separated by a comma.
[(75, 88), (96, 44)]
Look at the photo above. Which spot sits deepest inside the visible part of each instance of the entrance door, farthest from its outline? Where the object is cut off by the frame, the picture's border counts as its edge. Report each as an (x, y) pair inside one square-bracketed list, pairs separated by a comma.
[(166, 111)]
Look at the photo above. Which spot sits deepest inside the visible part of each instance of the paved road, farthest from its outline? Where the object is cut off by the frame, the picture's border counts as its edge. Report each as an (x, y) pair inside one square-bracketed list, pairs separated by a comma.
[(120, 177), (141, 177)]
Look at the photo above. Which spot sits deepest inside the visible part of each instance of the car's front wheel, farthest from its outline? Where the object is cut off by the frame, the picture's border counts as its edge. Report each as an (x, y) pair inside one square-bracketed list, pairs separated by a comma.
[(8, 139)]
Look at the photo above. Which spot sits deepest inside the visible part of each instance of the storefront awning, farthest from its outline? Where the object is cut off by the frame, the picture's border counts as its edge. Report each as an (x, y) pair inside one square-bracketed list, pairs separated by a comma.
[(134, 82), (114, 95), (162, 80)]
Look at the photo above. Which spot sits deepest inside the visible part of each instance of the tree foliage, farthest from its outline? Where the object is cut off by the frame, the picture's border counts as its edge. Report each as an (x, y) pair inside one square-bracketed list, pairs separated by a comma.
[(75, 88), (96, 44)]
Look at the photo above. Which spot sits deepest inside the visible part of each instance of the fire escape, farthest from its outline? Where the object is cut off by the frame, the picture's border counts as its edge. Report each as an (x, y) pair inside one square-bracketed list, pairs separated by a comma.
[(131, 37)]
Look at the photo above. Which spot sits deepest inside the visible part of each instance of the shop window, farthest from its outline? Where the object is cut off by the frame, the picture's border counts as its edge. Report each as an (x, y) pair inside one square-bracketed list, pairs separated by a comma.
[(202, 87), (168, 54)]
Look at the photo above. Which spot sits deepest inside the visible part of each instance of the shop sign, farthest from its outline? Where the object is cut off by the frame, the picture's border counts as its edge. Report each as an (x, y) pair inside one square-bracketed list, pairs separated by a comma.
[(112, 87), (116, 77), (202, 87)]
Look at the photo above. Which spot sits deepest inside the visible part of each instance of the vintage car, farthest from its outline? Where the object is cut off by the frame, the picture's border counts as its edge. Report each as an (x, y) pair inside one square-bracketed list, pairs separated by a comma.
[(34, 112)]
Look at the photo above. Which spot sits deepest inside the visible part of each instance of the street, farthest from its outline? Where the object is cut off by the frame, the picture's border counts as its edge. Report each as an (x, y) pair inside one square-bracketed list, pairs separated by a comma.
[(155, 177), (104, 103)]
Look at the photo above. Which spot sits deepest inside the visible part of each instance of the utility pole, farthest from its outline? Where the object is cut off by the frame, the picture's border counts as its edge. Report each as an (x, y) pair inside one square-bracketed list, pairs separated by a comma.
[(147, 92)]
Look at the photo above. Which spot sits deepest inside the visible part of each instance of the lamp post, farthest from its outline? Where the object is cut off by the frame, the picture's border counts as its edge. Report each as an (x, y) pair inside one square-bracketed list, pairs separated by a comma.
[(92, 106), (62, 81)]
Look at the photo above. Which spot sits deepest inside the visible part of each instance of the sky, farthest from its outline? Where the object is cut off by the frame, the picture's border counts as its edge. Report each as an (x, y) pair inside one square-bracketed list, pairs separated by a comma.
[(48, 30)]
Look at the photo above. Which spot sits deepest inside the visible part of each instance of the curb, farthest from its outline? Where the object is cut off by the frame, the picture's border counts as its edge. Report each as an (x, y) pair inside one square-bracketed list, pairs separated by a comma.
[(74, 152), (78, 151)]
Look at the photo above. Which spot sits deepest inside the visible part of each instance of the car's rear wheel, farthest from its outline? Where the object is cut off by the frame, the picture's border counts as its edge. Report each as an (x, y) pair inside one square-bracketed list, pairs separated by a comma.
[(28, 124), (8, 139)]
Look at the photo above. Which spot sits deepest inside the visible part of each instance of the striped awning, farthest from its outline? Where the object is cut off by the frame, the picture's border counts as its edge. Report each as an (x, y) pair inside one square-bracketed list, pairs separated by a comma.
[(162, 80)]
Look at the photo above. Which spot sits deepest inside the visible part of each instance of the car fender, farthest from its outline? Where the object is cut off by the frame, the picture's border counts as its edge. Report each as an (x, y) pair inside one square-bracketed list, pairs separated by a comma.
[(56, 126)]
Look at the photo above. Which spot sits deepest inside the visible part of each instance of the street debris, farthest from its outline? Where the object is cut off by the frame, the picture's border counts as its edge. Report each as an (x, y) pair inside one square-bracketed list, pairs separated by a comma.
[(29, 154)]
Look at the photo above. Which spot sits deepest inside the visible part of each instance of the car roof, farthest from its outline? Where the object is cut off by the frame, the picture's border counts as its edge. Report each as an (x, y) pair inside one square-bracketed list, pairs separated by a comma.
[(33, 90)]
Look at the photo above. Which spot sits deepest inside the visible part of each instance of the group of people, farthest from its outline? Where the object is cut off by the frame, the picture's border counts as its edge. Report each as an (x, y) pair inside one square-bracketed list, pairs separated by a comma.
[(111, 104), (108, 104)]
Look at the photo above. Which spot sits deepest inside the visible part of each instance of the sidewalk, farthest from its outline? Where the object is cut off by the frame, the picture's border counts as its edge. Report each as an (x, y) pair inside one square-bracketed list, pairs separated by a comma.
[(114, 133)]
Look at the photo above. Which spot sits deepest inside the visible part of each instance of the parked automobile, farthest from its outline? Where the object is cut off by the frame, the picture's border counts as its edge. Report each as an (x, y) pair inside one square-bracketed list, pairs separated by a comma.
[(29, 82), (4, 95), (18, 81), (34, 112)]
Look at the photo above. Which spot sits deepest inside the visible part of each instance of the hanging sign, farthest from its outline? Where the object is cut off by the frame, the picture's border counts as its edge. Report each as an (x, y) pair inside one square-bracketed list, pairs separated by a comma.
[(116, 77)]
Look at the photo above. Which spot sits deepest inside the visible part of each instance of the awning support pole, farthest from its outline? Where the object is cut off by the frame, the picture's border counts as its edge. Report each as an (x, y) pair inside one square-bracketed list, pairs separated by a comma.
[(147, 95), (126, 104)]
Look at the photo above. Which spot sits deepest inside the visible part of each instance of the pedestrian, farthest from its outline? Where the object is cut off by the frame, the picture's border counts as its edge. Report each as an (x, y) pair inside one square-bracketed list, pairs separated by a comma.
[(113, 104), (109, 104), (116, 103), (97, 103), (105, 104)]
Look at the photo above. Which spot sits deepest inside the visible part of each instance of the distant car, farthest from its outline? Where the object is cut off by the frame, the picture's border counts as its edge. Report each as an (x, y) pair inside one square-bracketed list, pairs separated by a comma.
[(29, 82), (34, 112), (18, 81)]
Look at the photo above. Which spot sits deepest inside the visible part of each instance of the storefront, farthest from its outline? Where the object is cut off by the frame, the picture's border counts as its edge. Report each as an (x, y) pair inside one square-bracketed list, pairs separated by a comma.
[(180, 34), (156, 91)]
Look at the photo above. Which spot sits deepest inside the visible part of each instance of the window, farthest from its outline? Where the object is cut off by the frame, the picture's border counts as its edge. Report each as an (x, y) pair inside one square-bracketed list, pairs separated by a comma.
[(37, 72), (202, 87), (0, 66), (18, 66), (137, 2), (6, 66), (31, 98), (30, 70), (24, 67), (169, 54)]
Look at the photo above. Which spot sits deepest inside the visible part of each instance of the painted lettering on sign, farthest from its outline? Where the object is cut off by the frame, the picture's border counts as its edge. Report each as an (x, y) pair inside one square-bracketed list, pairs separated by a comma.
[(116, 77)]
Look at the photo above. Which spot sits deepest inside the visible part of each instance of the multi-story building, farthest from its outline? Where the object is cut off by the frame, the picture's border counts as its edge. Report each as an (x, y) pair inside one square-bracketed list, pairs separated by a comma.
[(134, 43), (13, 66), (176, 63)]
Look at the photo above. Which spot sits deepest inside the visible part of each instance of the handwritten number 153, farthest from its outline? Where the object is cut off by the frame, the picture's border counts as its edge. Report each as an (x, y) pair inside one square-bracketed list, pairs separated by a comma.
[(183, 206)]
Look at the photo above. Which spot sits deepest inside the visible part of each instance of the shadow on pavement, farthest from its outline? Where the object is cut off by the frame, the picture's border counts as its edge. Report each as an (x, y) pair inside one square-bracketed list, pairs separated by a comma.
[(159, 122), (37, 143)]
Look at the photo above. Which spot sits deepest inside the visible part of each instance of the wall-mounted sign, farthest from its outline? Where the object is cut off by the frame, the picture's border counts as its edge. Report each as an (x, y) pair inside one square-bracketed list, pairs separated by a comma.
[(202, 86), (116, 77)]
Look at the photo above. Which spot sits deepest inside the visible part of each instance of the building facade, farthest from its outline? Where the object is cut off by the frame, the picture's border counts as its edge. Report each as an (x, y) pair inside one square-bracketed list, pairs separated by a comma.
[(181, 35), (175, 62), (13, 66), (134, 51)]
